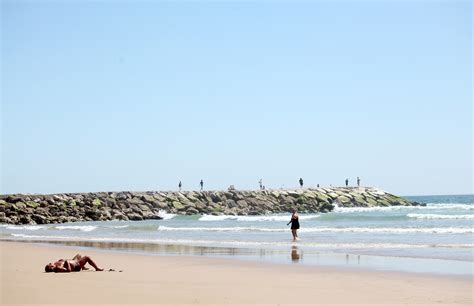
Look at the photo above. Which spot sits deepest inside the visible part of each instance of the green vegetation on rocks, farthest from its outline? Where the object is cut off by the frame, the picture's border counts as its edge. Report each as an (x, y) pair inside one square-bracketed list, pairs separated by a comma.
[(343, 200), (301, 200), (32, 204), (177, 205), (96, 202), (383, 202)]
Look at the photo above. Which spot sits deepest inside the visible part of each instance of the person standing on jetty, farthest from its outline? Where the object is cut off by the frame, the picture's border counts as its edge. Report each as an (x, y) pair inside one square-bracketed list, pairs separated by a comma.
[(295, 224), (202, 184), (260, 182), (358, 181), (301, 182), (347, 182), (179, 185)]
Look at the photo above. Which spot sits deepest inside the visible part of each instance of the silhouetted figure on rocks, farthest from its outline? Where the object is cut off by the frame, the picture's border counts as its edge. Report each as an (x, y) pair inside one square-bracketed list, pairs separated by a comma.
[(347, 182), (202, 184), (179, 185), (260, 182), (301, 182), (358, 181)]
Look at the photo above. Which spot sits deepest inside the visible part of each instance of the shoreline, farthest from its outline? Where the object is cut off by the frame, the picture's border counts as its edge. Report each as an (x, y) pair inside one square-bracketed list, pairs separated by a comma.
[(204, 280), (295, 256)]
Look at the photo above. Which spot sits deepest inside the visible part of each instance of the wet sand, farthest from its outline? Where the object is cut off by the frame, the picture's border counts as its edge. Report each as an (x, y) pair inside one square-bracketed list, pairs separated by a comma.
[(201, 280)]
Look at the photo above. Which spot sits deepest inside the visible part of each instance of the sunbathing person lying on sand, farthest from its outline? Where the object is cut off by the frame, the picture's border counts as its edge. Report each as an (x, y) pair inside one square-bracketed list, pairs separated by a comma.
[(74, 265)]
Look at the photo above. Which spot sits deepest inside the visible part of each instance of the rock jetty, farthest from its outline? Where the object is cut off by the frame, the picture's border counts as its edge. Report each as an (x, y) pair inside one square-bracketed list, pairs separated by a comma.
[(72, 207)]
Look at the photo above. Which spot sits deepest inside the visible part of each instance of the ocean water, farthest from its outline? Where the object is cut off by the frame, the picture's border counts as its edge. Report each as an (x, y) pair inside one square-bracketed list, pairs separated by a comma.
[(437, 238)]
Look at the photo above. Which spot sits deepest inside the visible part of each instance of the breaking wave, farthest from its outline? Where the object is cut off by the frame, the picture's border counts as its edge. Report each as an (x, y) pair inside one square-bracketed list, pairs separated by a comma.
[(254, 218), (442, 206), (390, 230), (24, 227), (356, 245), (436, 216), (82, 228)]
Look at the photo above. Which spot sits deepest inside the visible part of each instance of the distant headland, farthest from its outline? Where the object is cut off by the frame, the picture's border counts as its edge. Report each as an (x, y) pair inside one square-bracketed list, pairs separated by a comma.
[(126, 205)]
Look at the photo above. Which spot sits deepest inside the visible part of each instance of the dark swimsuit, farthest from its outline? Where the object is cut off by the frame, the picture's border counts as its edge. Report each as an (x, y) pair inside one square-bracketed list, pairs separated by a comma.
[(295, 224), (75, 266)]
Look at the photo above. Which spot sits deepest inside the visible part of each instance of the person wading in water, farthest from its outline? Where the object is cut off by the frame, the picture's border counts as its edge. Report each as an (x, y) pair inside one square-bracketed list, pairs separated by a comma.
[(295, 224)]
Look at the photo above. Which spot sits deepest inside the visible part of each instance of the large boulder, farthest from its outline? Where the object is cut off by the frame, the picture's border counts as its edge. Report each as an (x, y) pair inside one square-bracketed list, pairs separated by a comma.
[(231, 203), (134, 217), (178, 205), (343, 200), (135, 201), (147, 198)]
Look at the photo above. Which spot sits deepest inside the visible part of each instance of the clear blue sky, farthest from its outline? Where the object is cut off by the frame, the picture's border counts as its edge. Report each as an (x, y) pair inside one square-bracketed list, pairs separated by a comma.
[(101, 96)]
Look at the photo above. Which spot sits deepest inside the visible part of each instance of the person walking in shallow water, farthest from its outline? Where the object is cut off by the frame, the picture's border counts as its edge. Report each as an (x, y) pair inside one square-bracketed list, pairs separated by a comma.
[(202, 184), (295, 224), (301, 182)]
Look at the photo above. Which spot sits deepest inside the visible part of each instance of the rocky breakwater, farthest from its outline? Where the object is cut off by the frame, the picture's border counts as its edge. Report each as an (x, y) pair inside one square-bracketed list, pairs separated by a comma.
[(72, 207)]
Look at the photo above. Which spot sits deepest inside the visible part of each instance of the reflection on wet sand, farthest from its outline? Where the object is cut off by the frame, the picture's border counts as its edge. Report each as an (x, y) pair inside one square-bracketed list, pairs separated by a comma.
[(176, 249), (164, 249), (295, 254), (172, 249), (312, 257)]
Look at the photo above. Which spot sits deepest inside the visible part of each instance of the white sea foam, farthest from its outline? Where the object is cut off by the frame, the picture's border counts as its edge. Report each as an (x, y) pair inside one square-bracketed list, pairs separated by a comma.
[(83, 228), (217, 229), (24, 227), (431, 206), (436, 216), (302, 244), (117, 226), (214, 218), (339, 209), (255, 218), (448, 206), (163, 214), (51, 238), (393, 230), (383, 245), (389, 230)]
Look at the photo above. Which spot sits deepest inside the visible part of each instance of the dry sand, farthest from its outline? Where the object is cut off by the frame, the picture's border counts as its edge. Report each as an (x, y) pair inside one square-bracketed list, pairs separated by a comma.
[(173, 280)]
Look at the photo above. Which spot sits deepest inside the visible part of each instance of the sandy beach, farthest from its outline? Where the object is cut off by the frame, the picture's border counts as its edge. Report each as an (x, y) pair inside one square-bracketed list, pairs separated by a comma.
[(203, 281)]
